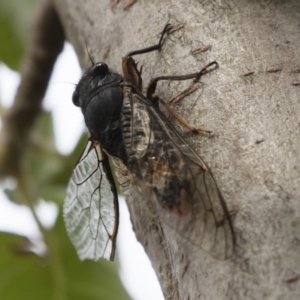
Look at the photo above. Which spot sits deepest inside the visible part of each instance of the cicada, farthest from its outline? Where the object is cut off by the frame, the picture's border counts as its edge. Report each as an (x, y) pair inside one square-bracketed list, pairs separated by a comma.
[(152, 162)]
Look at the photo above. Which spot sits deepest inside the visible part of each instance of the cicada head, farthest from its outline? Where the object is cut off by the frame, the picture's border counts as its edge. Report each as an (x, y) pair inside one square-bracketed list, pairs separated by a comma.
[(100, 97)]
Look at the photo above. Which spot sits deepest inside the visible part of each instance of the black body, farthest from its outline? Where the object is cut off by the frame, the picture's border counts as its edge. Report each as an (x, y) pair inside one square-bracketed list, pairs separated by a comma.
[(100, 97)]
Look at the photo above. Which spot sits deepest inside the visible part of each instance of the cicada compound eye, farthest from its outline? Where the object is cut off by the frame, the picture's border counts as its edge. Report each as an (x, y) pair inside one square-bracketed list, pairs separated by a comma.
[(75, 98), (100, 69)]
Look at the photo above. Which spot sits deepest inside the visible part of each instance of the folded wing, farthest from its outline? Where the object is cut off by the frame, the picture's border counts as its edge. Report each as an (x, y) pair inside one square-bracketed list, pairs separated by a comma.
[(91, 206), (168, 170)]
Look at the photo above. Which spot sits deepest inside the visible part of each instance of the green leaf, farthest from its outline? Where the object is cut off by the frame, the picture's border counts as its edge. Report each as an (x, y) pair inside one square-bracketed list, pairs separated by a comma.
[(15, 16), (22, 276), (60, 276), (12, 195), (43, 134)]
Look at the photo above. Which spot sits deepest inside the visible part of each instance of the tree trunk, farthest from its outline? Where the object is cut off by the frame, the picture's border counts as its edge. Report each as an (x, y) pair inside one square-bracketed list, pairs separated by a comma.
[(251, 103)]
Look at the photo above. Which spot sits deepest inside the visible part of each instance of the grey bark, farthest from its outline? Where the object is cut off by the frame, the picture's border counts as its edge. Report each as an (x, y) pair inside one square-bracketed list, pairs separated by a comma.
[(251, 103)]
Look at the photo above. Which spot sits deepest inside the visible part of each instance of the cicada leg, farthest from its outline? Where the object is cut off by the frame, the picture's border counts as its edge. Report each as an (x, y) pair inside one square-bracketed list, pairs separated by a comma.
[(131, 72), (151, 48), (196, 76)]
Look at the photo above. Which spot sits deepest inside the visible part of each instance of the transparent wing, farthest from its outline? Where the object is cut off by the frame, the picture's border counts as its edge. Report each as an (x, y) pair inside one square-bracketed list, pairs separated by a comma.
[(182, 187), (91, 206)]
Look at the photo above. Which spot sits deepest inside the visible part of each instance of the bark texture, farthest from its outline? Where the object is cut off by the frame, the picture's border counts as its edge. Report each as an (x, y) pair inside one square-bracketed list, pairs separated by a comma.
[(251, 103)]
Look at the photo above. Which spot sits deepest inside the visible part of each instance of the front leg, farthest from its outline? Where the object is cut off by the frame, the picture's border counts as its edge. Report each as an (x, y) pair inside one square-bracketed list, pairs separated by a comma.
[(196, 76), (129, 66)]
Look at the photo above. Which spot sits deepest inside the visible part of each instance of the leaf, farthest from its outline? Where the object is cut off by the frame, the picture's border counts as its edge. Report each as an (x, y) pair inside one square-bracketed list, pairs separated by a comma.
[(13, 30), (22, 276), (61, 276)]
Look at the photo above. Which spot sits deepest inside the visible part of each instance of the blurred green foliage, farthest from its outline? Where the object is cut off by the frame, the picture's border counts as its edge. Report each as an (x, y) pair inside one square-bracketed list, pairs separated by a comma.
[(15, 18), (25, 275), (58, 274)]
